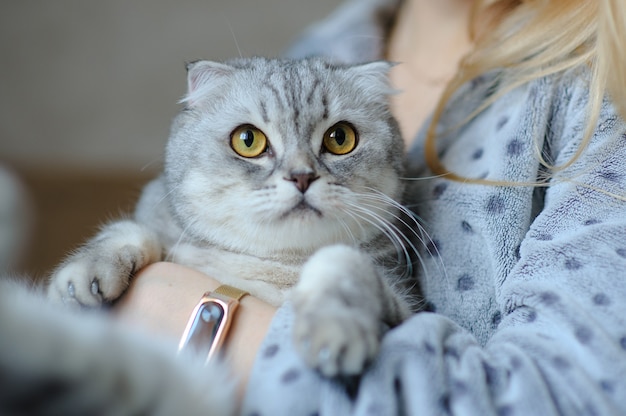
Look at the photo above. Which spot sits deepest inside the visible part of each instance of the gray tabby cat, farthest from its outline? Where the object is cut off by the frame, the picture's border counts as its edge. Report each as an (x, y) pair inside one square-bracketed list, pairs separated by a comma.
[(281, 178)]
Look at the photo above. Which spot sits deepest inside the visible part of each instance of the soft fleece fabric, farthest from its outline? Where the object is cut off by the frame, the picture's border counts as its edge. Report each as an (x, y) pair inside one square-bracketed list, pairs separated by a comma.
[(528, 284)]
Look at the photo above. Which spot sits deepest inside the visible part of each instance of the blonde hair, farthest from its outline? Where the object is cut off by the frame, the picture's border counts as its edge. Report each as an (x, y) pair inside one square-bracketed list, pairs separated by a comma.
[(536, 38)]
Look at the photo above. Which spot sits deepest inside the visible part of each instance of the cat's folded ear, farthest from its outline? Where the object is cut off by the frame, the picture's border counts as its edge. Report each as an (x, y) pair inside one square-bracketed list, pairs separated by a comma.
[(202, 78), (374, 77)]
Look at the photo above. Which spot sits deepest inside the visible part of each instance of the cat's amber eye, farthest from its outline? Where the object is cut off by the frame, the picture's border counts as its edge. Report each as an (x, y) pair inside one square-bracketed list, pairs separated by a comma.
[(248, 141), (340, 139)]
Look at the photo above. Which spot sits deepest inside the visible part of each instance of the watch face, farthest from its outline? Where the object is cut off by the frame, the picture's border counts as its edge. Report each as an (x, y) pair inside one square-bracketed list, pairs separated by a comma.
[(208, 325), (204, 328)]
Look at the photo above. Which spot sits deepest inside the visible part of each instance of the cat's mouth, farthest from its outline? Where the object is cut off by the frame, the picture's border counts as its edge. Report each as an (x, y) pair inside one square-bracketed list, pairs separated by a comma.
[(303, 207)]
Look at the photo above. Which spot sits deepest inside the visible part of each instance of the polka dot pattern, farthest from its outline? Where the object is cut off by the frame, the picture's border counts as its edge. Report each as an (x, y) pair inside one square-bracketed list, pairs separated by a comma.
[(290, 376), (522, 284), (584, 335), (505, 411), (465, 283), (439, 189), (610, 175), (433, 247), (495, 205), (561, 363), (502, 121), (573, 264), (496, 318), (601, 299), (592, 221), (544, 237), (607, 386), (549, 298), (467, 227), (270, 351), (515, 148)]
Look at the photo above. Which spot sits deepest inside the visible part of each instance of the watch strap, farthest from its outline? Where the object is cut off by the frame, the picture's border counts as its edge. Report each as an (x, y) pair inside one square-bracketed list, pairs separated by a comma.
[(231, 292)]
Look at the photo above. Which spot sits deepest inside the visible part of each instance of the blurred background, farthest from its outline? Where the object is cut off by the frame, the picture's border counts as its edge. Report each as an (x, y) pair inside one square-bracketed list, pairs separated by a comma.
[(88, 89)]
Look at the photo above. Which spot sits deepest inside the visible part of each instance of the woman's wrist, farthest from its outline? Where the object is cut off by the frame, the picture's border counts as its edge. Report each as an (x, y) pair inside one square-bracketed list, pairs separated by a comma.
[(163, 295)]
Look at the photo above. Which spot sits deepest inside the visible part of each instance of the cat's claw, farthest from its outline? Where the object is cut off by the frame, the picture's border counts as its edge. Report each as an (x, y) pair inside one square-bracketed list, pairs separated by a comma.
[(100, 271), (95, 288), (69, 297), (336, 346), (71, 290), (324, 355), (89, 280)]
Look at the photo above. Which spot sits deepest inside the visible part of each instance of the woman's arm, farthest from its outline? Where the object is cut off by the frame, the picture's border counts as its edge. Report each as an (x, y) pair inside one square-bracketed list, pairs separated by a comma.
[(163, 295)]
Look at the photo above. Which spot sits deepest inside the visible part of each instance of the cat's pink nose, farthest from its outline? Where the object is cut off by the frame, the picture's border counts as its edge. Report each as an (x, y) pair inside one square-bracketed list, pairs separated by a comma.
[(302, 180)]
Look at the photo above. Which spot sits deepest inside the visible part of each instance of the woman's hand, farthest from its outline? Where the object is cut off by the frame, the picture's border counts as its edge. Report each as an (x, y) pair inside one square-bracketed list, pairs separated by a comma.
[(163, 295)]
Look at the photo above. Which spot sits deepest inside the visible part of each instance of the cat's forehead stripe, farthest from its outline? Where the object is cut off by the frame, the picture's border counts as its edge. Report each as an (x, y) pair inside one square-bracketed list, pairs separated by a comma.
[(309, 98), (290, 90), (263, 109)]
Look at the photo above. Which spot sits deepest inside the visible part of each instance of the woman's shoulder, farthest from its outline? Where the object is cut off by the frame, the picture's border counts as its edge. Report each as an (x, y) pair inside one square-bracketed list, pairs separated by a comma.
[(355, 32)]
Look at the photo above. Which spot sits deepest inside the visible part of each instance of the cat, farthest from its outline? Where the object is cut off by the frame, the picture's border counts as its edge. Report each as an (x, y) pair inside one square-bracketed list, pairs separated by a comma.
[(54, 361), (282, 178)]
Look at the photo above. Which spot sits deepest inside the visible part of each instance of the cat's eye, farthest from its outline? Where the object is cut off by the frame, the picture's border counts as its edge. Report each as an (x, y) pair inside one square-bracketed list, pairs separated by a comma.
[(340, 139), (248, 141)]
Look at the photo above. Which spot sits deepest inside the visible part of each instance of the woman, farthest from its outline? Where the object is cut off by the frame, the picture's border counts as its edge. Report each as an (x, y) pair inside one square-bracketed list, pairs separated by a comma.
[(523, 190)]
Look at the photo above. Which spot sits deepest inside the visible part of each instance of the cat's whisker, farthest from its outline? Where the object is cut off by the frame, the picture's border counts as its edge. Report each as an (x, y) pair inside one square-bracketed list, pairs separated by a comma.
[(400, 220), (401, 242), (232, 32), (150, 163), (377, 196), (347, 229), (404, 288), (357, 222), (422, 178), (401, 249), (412, 228), (416, 230), (406, 240), (164, 197), (385, 227), (172, 251), (357, 211), (380, 196)]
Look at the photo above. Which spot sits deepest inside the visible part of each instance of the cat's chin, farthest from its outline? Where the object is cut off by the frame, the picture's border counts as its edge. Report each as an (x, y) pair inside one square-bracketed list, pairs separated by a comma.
[(304, 231), (302, 210)]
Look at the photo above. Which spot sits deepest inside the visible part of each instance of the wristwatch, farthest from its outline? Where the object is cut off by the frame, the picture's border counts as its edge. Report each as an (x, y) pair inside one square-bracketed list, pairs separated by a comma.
[(210, 320)]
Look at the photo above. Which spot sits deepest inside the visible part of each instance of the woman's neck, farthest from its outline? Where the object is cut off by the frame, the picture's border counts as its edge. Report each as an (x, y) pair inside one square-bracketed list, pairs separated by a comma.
[(433, 32), (428, 40)]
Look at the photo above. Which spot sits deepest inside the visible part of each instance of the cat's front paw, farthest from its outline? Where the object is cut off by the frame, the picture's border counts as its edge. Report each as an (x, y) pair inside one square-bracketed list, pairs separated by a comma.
[(90, 278), (337, 327), (100, 271), (335, 342)]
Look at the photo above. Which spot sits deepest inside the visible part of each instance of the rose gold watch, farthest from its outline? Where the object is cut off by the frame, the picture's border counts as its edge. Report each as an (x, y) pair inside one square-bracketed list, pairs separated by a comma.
[(210, 320)]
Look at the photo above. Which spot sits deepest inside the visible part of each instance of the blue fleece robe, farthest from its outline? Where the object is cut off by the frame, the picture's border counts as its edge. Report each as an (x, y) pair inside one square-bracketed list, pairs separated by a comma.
[(527, 284)]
